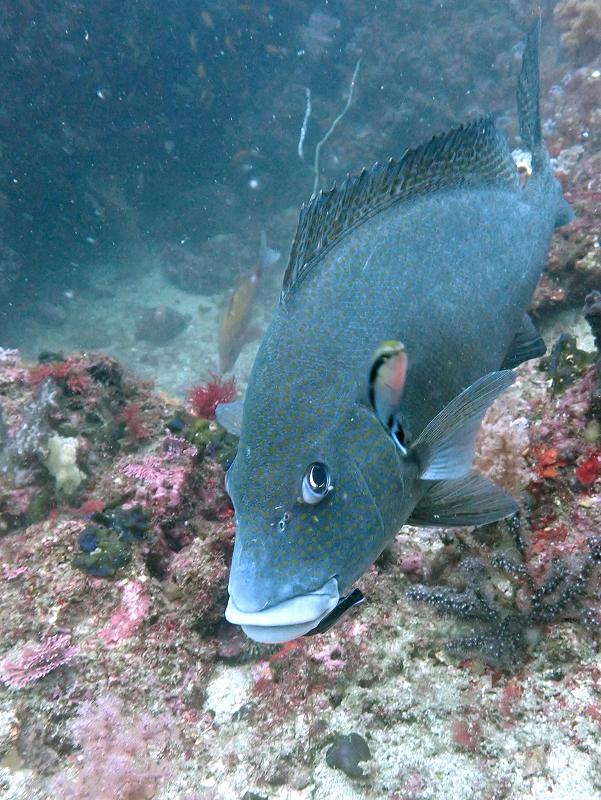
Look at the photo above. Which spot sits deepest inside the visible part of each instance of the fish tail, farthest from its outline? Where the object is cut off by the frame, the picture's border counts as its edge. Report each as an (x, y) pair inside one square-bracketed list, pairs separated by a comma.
[(528, 100)]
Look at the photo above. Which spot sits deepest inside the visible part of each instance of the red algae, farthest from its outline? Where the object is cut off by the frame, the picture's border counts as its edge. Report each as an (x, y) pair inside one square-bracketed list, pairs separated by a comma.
[(589, 470), (204, 398)]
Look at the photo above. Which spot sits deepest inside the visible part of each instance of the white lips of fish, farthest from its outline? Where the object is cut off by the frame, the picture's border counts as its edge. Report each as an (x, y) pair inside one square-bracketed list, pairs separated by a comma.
[(290, 618)]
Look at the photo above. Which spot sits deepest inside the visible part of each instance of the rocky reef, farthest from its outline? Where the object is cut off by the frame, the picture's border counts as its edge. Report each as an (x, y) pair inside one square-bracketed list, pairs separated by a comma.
[(472, 669), (118, 670)]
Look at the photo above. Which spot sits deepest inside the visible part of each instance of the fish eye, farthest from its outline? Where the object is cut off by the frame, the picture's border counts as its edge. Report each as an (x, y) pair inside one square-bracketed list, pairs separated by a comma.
[(317, 483)]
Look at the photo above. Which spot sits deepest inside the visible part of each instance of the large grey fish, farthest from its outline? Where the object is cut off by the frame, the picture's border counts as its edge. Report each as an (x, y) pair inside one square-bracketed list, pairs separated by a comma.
[(402, 313)]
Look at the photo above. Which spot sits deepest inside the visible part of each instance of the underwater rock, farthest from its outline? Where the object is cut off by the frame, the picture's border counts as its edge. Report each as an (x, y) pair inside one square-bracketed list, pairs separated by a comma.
[(210, 268), (319, 33), (160, 324), (566, 362), (580, 21), (592, 314), (346, 753)]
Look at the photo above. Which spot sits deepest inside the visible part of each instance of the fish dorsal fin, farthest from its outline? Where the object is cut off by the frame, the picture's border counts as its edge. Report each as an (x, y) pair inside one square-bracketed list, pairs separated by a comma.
[(528, 98), (474, 155)]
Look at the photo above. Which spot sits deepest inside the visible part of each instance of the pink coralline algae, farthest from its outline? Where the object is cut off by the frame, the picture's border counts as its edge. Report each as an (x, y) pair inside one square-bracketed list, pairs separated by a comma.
[(120, 754), (133, 609), (161, 477), (10, 372), (36, 661)]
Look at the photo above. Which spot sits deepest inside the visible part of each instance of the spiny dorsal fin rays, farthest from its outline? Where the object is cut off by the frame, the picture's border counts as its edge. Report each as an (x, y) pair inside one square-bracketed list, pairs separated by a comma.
[(473, 155), (528, 99)]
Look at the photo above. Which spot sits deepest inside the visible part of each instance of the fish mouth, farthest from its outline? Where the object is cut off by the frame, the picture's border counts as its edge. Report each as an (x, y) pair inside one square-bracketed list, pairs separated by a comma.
[(289, 619)]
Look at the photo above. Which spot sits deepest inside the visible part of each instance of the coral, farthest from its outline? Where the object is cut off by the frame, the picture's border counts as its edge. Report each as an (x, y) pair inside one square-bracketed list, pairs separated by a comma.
[(28, 444), (36, 661), (589, 470), (580, 21), (512, 581), (592, 314), (118, 753), (9, 357), (62, 463), (204, 398), (157, 481)]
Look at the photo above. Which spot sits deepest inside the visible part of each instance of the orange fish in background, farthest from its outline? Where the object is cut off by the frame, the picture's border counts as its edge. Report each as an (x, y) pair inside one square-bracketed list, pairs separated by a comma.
[(234, 331)]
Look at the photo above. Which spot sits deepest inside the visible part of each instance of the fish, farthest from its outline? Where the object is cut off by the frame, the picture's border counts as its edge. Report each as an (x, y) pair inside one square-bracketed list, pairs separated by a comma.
[(402, 315), (234, 331)]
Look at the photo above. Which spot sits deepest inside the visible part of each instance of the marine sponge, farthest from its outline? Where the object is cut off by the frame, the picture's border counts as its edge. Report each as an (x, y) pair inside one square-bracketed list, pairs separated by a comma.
[(62, 463)]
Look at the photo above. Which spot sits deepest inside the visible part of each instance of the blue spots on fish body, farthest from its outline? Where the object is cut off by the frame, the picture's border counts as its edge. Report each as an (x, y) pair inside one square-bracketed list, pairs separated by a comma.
[(339, 447)]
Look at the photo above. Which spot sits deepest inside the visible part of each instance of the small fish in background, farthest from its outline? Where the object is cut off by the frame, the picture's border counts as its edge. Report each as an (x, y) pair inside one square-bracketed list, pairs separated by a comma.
[(234, 326)]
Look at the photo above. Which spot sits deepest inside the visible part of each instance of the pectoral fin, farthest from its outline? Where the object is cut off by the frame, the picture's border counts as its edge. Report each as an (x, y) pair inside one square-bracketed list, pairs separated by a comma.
[(445, 448), (527, 344), (472, 500)]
